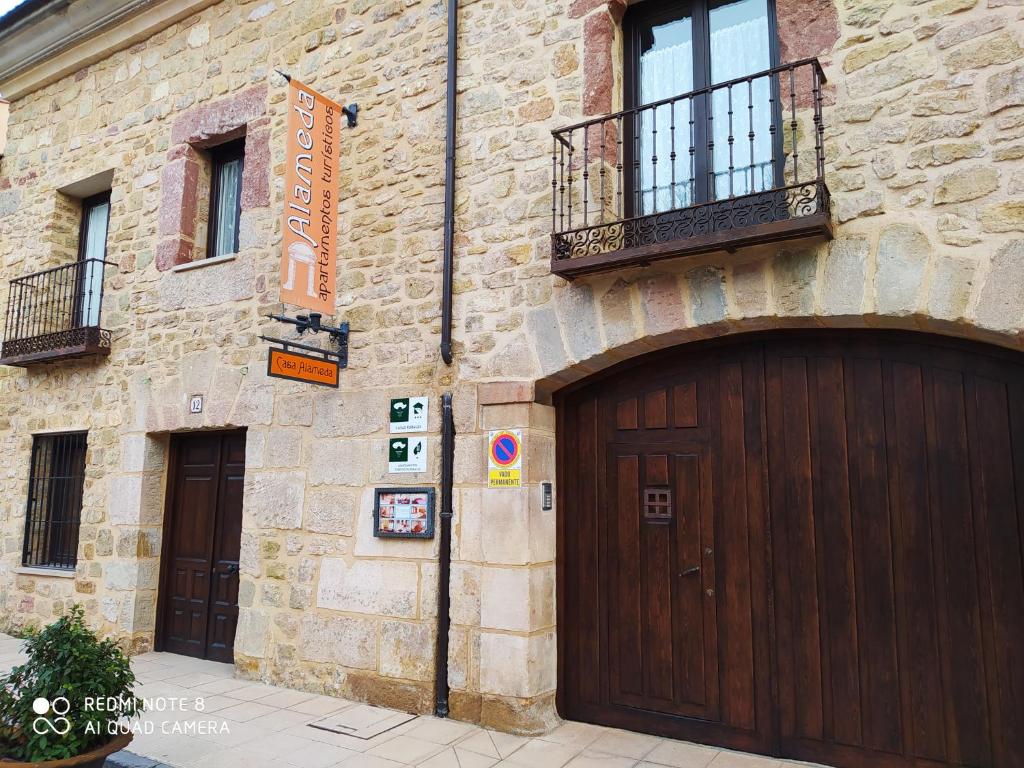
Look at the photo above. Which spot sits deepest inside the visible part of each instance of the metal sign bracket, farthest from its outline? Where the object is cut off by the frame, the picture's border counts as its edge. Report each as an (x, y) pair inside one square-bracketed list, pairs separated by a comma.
[(312, 323)]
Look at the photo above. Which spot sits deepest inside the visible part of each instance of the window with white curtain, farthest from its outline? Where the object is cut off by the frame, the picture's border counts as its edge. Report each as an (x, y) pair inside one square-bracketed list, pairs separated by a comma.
[(682, 154), (228, 161), (92, 250)]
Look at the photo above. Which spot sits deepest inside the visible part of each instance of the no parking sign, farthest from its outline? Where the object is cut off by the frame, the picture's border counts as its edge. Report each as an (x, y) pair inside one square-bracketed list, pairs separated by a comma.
[(505, 459)]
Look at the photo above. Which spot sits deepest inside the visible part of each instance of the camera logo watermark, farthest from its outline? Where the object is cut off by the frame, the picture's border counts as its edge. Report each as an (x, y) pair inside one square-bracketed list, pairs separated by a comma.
[(59, 724), (181, 716)]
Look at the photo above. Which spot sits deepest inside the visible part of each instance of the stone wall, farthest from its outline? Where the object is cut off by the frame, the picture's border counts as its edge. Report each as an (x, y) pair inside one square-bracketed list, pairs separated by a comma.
[(925, 140)]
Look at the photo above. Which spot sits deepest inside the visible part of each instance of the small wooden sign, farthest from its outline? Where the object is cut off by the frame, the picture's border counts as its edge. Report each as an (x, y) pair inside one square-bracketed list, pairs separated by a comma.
[(312, 370)]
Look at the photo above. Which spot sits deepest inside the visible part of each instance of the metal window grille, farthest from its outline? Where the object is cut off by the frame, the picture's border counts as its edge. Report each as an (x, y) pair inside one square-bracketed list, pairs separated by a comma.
[(54, 500)]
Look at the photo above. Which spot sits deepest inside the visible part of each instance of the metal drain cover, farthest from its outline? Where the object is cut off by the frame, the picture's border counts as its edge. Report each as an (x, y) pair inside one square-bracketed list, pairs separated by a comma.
[(362, 721)]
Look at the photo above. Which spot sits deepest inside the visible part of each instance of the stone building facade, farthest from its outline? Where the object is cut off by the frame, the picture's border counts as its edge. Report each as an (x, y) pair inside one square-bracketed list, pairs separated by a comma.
[(924, 135)]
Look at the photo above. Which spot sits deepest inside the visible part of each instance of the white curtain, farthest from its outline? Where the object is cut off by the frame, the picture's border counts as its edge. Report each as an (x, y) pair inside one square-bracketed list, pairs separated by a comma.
[(96, 221), (739, 46), (736, 51), (664, 73), (227, 203)]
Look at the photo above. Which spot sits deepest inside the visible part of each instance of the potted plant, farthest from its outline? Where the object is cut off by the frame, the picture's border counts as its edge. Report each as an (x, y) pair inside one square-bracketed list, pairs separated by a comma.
[(71, 703)]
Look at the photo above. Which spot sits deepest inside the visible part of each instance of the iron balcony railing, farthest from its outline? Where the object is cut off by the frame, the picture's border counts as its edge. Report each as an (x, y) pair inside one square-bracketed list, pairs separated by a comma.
[(55, 314), (734, 164)]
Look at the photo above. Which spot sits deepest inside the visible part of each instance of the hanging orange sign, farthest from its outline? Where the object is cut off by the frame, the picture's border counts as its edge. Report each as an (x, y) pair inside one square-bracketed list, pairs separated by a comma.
[(310, 222), (291, 365)]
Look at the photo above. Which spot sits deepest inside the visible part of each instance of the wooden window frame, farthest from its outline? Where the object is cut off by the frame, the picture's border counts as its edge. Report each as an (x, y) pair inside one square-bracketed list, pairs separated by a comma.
[(644, 15), (61, 551), (219, 156)]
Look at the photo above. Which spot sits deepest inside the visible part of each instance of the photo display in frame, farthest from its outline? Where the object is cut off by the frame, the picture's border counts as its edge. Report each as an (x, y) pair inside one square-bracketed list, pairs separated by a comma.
[(403, 513)]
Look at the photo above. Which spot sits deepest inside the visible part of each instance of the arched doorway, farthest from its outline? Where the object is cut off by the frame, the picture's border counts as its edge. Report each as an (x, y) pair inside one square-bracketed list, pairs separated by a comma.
[(805, 544)]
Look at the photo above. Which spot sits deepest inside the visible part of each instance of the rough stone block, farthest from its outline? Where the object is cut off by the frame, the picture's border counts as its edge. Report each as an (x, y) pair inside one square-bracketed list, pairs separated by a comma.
[(513, 665), (350, 414), (577, 312), (294, 410), (966, 184), (662, 304), (795, 273), (1005, 89), (497, 392), (1004, 217), (407, 650), (221, 284), (219, 118), (505, 525), (505, 599), (842, 289), (252, 633), (466, 594), (378, 587), (707, 294), (1001, 305), (903, 253), (347, 641), (256, 171), (125, 500), (546, 337), (10, 199), (284, 448), (331, 509), (275, 499), (951, 283), (618, 317), (338, 462)]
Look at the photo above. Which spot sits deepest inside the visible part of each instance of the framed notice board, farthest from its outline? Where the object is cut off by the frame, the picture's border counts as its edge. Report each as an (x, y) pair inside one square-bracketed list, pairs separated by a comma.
[(403, 513)]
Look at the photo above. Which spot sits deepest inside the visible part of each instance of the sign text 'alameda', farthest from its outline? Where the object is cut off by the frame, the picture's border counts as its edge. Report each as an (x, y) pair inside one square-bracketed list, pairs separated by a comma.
[(310, 221)]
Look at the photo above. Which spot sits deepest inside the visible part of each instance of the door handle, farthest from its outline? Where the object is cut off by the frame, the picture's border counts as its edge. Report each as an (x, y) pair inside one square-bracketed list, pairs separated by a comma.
[(690, 571)]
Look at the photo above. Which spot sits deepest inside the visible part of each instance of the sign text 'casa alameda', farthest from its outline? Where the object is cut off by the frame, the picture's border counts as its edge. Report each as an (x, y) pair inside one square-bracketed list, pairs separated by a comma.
[(284, 364), (310, 221)]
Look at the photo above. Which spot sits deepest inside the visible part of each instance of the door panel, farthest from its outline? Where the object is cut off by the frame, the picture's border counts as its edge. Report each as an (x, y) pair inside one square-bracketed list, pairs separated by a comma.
[(890, 462), (226, 545), (203, 531), (873, 618), (665, 587)]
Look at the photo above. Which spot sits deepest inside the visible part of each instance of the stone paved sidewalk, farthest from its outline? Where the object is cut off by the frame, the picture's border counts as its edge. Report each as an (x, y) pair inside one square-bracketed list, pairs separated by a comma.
[(261, 726)]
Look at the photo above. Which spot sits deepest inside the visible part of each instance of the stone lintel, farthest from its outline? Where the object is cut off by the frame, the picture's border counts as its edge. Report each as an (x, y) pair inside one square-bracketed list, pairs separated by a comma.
[(500, 392)]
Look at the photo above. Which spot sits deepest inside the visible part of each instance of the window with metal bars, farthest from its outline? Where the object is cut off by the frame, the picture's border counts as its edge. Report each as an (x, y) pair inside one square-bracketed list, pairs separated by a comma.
[(54, 506)]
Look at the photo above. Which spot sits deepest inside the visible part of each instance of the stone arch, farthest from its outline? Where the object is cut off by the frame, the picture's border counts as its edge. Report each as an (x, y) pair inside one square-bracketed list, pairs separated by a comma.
[(893, 280)]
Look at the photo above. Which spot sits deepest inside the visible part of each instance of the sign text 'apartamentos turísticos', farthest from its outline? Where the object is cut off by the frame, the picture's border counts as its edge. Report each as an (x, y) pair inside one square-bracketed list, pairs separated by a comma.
[(310, 224)]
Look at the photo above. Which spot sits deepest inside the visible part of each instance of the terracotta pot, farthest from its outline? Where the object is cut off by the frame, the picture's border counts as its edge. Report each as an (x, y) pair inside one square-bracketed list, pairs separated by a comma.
[(91, 759)]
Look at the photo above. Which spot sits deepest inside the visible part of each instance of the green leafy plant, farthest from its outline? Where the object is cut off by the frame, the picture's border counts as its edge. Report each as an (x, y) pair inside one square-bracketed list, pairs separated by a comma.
[(66, 659)]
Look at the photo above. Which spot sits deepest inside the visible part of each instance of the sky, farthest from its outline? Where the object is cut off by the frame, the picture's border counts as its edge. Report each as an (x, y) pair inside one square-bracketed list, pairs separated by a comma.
[(6, 5)]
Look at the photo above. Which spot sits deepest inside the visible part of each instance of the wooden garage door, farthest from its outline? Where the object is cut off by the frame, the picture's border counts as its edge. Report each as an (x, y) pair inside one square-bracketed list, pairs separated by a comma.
[(807, 545)]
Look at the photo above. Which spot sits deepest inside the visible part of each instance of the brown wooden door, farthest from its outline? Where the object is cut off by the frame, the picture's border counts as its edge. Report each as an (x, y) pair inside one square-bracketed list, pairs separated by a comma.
[(199, 588), (854, 504), (665, 602), (897, 488)]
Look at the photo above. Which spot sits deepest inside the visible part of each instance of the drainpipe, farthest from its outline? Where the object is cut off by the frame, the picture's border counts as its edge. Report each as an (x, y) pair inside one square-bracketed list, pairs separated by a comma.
[(445, 557), (447, 418), (449, 184)]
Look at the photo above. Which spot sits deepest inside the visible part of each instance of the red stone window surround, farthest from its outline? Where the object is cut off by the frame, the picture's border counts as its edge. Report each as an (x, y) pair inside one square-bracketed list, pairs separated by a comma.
[(806, 28), (183, 183)]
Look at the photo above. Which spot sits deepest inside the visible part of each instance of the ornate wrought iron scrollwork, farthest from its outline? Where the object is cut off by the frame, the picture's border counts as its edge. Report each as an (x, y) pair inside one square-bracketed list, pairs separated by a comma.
[(69, 343), (609, 173), (56, 313), (728, 215)]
